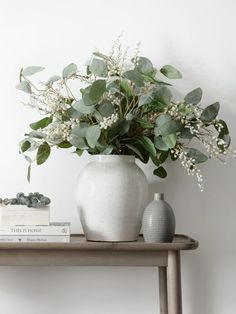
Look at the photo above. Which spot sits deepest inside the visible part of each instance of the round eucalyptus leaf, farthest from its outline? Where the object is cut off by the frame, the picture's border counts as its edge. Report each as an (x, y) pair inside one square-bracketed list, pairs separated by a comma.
[(170, 72), (194, 97), (145, 99), (98, 68), (210, 112), (194, 153), (163, 156), (106, 108), (25, 146), (80, 129), (170, 140), (163, 95), (160, 144), (24, 86), (224, 130), (82, 108), (96, 90), (134, 76), (78, 142), (160, 172), (144, 65), (31, 70), (69, 70), (92, 135), (165, 125), (125, 88), (43, 153), (41, 123)]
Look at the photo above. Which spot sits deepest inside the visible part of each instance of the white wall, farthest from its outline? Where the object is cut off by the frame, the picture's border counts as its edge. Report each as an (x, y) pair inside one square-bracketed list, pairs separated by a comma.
[(198, 37)]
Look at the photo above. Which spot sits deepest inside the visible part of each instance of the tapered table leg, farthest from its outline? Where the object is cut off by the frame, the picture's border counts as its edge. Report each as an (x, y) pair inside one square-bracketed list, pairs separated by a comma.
[(174, 294), (163, 290)]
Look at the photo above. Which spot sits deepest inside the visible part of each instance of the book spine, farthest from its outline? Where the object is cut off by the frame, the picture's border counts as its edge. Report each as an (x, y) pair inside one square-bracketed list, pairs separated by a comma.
[(35, 239), (34, 230)]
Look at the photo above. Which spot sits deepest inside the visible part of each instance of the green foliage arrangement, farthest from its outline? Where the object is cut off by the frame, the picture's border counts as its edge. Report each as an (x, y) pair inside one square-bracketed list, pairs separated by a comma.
[(123, 108)]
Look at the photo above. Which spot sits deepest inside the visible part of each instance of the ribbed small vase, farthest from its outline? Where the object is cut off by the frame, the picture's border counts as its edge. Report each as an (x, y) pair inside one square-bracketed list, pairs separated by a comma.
[(158, 221)]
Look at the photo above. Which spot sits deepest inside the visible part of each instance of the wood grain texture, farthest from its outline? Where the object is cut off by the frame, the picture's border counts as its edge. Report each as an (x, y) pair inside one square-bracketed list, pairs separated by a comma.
[(163, 290), (80, 252), (78, 242), (174, 283), (81, 258)]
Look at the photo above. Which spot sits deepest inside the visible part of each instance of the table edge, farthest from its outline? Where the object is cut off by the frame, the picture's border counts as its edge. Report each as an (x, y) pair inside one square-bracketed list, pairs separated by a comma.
[(188, 244)]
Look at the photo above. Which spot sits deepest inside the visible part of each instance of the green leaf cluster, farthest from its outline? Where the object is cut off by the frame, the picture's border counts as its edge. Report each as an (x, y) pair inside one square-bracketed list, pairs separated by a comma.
[(119, 110)]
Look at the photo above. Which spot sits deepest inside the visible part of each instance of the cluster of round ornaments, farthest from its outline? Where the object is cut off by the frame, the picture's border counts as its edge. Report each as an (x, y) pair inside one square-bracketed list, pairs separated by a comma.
[(35, 200)]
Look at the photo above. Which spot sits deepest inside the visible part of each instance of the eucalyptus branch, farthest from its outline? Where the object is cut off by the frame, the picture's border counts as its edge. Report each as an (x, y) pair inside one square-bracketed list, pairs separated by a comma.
[(157, 125), (27, 80), (129, 107), (69, 90)]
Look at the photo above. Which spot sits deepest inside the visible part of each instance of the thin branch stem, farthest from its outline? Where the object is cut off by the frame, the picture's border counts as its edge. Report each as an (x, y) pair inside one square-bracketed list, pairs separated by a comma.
[(68, 89), (27, 80)]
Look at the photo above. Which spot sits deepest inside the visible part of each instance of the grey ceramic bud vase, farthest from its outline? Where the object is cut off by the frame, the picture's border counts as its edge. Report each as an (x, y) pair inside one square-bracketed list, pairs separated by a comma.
[(158, 221)]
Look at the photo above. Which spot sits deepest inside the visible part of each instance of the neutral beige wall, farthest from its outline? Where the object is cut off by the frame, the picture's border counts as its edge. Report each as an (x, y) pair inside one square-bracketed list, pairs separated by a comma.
[(198, 37)]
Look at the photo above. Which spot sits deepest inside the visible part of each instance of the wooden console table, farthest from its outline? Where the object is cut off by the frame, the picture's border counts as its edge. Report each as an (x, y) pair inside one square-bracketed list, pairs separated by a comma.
[(79, 252)]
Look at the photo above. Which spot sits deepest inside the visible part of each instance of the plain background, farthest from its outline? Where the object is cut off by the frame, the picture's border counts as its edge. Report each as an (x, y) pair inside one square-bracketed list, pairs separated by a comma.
[(198, 37)]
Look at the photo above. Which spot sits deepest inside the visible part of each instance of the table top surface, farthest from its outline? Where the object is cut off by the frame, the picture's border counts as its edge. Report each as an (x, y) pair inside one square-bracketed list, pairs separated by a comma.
[(79, 243)]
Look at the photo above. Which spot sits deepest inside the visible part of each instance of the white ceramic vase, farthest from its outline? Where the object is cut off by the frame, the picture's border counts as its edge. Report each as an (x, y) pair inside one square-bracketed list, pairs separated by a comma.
[(111, 195)]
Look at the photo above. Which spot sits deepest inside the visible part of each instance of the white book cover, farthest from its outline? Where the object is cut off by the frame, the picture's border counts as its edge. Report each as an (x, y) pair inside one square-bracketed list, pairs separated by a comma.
[(35, 238), (52, 230), (12, 215)]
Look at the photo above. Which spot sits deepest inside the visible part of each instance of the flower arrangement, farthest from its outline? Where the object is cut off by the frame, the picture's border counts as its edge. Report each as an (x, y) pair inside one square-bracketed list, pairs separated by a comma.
[(123, 108)]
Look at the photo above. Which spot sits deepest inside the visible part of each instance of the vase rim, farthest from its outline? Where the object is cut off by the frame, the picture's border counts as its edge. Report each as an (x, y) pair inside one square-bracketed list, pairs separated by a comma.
[(113, 158)]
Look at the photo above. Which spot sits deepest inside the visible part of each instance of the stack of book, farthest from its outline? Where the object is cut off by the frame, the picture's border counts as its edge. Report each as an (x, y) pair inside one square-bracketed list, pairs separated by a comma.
[(20, 223), (54, 232)]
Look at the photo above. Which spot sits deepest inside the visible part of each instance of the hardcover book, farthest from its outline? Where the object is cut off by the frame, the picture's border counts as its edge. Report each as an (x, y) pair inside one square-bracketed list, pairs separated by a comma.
[(35, 238), (12, 215), (53, 229)]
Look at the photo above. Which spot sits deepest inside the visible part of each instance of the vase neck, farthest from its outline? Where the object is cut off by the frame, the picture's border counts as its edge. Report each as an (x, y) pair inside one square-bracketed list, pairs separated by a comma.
[(113, 158), (158, 196)]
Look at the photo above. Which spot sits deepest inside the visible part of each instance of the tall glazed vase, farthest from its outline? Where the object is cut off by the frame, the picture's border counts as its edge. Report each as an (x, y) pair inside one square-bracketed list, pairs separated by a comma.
[(111, 195)]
